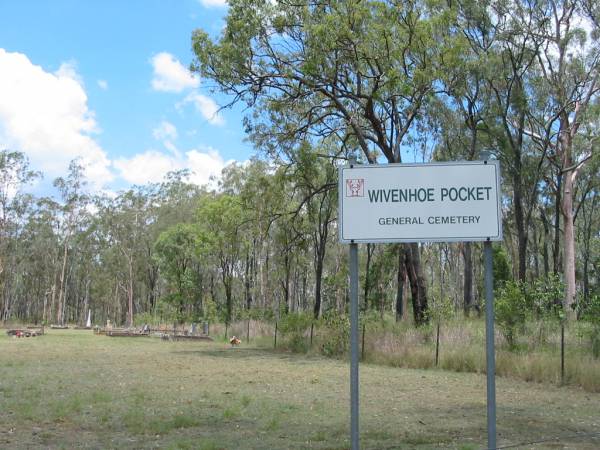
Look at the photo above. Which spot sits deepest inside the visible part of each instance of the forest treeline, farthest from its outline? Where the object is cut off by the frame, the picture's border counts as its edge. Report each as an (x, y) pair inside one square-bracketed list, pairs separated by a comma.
[(385, 82)]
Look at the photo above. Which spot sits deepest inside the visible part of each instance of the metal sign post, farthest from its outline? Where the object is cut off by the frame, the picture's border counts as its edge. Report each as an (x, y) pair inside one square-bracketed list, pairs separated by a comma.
[(354, 346), (490, 354)]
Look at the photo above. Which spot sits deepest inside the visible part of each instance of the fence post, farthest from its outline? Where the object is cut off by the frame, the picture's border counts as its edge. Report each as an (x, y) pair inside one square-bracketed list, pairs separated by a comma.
[(248, 331), (226, 325), (312, 326), (362, 349), (562, 352), (437, 345), (275, 344)]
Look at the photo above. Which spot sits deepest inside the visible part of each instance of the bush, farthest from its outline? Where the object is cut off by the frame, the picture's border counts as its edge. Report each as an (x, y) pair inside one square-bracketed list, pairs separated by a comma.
[(546, 297), (262, 314), (292, 327), (143, 319), (511, 311), (211, 314), (337, 340), (591, 314)]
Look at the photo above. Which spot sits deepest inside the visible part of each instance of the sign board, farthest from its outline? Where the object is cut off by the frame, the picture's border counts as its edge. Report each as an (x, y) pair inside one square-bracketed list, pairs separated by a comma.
[(436, 202)]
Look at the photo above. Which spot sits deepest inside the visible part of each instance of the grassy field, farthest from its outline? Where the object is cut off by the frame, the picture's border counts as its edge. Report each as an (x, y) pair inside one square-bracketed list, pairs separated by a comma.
[(71, 389)]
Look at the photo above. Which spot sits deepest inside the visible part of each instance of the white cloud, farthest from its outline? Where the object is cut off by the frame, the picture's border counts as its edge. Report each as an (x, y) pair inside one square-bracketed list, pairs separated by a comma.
[(205, 106), (205, 164), (46, 116), (166, 130), (152, 166), (166, 133), (170, 75), (103, 84), (214, 3)]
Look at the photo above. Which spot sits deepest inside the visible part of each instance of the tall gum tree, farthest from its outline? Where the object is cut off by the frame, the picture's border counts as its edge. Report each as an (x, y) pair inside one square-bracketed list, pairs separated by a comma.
[(14, 174), (569, 66), (73, 211), (358, 70)]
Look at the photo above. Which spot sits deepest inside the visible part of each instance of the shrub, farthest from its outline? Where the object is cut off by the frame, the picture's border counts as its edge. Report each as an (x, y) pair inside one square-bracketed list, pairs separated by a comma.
[(511, 311), (143, 319), (338, 337), (591, 314), (211, 314), (502, 273), (293, 327), (546, 297)]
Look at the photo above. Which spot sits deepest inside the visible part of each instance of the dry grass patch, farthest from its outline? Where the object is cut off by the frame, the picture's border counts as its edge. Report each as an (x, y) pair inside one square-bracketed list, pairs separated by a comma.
[(71, 389)]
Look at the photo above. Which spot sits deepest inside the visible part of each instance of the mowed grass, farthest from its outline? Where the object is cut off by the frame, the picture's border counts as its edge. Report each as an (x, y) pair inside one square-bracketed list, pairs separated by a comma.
[(72, 389)]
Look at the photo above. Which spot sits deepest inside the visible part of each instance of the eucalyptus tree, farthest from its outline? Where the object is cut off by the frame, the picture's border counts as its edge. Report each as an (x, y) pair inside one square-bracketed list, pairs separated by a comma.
[(358, 71), (127, 225), (315, 179), (73, 210), (261, 201), (177, 251), (14, 208), (567, 33), (498, 101), (221, 219), (587, 217)]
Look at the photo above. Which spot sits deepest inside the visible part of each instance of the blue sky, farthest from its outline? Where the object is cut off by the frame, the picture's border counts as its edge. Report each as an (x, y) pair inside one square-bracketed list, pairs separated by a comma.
[(107, 81)]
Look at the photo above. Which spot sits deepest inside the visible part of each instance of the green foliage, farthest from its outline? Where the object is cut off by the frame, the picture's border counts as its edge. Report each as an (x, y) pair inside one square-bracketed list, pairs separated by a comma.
[(441, 308), (510, 308), (337, 339), (177, 252), (167, 311), (210, 311), (220, 221), (264, 314), (502, 271), (144, 318), (591, 314), (546, 297), (293, 327)]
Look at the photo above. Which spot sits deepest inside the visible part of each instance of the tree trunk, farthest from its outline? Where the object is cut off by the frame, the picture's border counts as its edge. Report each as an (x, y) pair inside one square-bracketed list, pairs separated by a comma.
[(60, 307), (557, 214), (401, 279), (417, 283), (286, 282), (521, 232), (569, 240), (468, 278), (247, 281), (227, 284), (370, 248), (130, 294), (318, 277), (545, 240), (86, 301)]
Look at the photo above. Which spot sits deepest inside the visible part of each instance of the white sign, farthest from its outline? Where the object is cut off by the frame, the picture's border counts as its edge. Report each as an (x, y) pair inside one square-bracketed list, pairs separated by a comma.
[(437, 202)]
